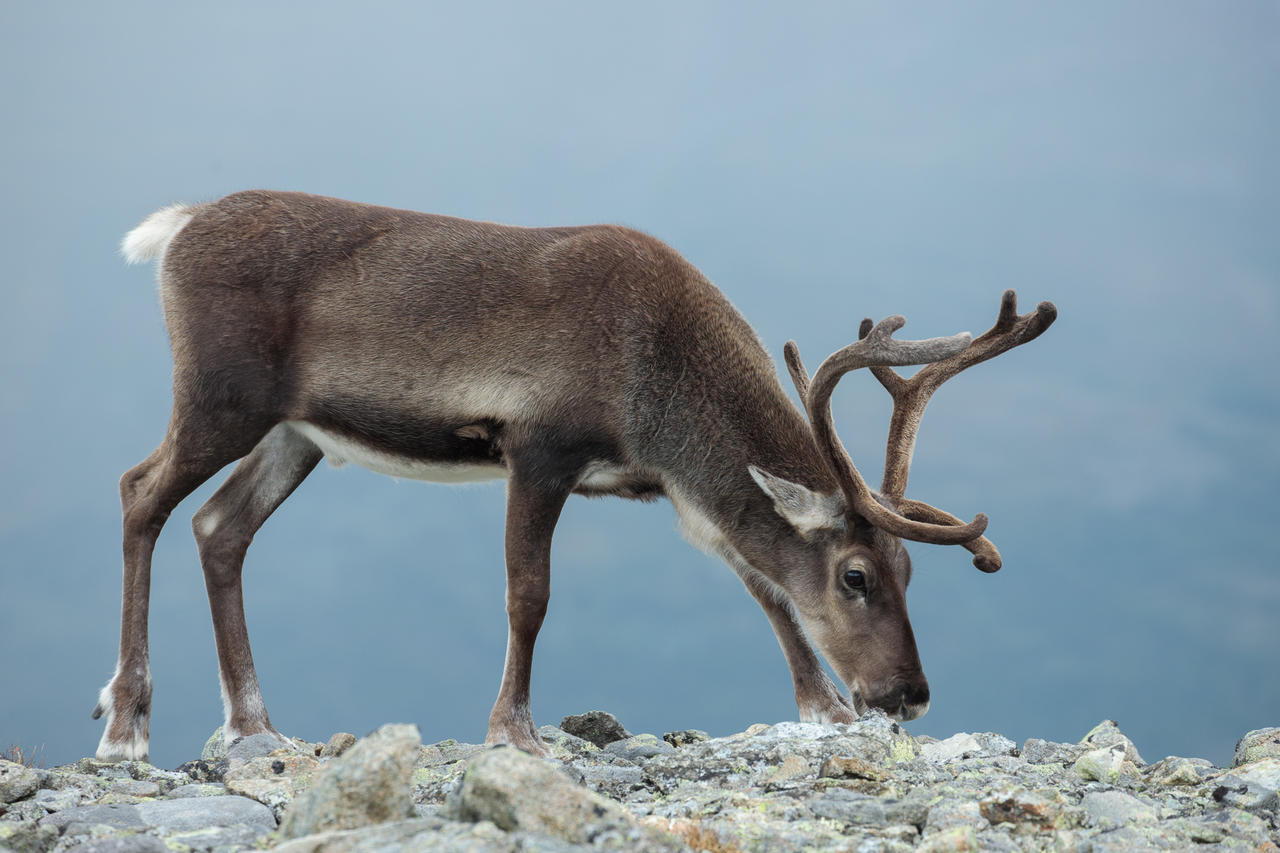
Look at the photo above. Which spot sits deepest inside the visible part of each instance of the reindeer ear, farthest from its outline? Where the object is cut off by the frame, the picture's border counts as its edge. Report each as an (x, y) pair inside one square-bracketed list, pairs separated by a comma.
[(805, 510)]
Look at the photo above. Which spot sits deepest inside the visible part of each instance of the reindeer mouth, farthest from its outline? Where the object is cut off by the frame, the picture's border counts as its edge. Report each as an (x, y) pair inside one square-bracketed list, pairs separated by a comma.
[(904, 712)]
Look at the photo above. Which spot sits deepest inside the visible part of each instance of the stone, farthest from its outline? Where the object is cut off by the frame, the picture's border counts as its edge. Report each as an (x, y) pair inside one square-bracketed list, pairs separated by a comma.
[(17, 782), (368, 784), (1037, 751), (958, 839), (1107, 733), (639, 747), (339, 743), (1109, 809), (1102, 765), (565, 746), (215, 748), (1174, 771), (197, 789), (125, 844), (171, 815), (686, 737), (1254, 787), (1257, 745), (952, 812), (850, 807), (253, 746), (1021, 807), (792, 768), (134, 788), (599, 727), (849, 767), (516, 791)]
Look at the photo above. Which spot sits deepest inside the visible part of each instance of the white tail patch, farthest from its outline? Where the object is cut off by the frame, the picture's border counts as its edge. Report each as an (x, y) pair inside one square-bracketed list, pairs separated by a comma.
[(149, 240)]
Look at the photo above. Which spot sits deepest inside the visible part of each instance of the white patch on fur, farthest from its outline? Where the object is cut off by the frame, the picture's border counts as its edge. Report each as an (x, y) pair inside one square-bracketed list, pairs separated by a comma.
[(251, 707), (803, 509), (137, 747), (700, 530), (149, 240), (208, 523), (603, 476), (339, 450)]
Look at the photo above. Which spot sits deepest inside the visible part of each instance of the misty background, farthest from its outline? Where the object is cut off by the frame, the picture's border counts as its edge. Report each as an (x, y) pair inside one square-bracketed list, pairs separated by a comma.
[(820, 163)]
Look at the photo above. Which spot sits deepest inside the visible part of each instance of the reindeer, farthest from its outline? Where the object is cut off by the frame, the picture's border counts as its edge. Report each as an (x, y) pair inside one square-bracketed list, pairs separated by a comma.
[(588, 360)]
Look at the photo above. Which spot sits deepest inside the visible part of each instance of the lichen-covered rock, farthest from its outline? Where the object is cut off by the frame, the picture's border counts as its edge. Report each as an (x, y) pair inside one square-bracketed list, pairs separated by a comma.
[(684, 737), (1107, 733), (339, 743), (1103, 765), (517, 792), (16, 781), (368, 784), (1257, 745), (598, 727), (786, 788)]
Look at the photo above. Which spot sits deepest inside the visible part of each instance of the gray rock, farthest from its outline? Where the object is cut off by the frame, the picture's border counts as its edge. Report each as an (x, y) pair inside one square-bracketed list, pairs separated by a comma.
[(686, 737), (197, 789), (368, 784), (964, 745), (123, 844), (339, 743), (1252, 787), (253, 746), (850, 807), (169, 815), (215, 748), (639, 747), (1175, 771), (516, 791), (16, 781), (1107, 733), (56, 801), (598, 727), (1037, 751), (425, 835), (1116, 808), (953, 813), (564, 745), (1257, 745), (1103, 765)]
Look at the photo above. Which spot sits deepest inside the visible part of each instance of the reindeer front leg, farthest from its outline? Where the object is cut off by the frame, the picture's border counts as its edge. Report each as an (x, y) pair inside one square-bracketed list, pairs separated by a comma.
[(533, 508), (817, 697)]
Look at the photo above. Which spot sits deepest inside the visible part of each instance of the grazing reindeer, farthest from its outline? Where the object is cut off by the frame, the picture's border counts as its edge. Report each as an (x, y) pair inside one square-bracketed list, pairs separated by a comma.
[(589, 360)]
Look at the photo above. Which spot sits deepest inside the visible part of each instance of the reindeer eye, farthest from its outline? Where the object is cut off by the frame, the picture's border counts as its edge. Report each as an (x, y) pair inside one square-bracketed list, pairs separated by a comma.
[(855, 579)]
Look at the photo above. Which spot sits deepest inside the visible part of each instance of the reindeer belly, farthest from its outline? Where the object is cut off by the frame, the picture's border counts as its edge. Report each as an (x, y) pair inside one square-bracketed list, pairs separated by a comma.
[(440, 457)]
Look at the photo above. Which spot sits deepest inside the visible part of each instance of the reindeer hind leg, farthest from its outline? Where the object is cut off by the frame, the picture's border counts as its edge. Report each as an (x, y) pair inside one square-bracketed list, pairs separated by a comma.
[(224, 527), (199, 442)]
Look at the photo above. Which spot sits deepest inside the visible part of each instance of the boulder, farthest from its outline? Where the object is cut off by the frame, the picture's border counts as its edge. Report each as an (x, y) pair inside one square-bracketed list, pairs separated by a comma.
[(368, 784)]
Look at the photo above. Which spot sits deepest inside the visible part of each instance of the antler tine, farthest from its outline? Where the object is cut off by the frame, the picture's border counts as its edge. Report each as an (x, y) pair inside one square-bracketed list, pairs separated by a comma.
[(799, 375), (911, 396), (876, 347), (985, 556)]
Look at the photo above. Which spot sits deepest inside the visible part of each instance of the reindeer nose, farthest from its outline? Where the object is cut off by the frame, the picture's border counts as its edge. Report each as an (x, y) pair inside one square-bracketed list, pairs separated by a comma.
[(905, 698)]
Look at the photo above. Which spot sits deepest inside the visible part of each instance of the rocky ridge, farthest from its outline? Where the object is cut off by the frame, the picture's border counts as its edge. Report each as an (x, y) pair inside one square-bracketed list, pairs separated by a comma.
[(866, 786)]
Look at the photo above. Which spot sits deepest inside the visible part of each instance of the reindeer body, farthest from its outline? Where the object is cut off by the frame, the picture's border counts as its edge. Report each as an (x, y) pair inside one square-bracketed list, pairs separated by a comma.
[(592, 360)]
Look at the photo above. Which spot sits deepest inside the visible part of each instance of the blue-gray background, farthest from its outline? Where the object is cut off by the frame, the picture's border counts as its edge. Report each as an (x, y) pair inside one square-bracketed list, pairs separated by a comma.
[(820, 163)]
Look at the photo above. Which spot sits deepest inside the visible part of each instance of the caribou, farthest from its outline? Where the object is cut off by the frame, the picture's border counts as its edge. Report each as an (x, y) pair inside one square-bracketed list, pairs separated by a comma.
[(587, 360)]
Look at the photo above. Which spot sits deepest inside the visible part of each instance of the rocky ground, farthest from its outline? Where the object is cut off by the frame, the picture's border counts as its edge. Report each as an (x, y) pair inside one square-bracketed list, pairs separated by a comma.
[(868, 786)]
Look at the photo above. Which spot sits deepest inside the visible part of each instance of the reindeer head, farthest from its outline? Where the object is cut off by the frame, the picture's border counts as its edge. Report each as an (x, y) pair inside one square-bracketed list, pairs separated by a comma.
[(850, 594)]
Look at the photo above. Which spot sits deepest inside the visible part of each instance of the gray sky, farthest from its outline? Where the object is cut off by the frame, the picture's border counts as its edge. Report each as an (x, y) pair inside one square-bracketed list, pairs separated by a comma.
[(820, 164)]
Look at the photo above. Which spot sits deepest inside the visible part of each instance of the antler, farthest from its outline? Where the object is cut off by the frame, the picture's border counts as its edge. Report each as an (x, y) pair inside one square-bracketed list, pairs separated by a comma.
[(910, 396), (876, 347)]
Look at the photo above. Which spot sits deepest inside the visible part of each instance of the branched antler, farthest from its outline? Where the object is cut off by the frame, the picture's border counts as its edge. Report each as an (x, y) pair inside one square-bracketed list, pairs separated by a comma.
[(911, 396), (876, 347)]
